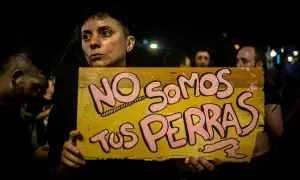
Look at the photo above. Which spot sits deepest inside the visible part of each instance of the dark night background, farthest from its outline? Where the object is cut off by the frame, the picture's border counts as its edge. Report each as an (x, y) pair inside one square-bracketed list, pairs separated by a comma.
[(44, 29)]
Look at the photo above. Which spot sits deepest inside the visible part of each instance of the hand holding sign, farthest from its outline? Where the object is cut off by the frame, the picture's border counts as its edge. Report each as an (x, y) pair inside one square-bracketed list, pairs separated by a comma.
[(71, 155), (194, 164)]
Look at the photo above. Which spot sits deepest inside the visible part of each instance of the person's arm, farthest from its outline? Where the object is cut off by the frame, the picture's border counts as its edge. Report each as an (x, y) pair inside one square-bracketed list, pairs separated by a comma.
[(24, 114), (41, 153), (274, 120), (273, 115), (43, 115)]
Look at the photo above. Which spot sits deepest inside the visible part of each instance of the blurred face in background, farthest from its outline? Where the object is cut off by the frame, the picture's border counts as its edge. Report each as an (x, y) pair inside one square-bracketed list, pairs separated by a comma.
[(22, 81), (186, 63), (202, 59), (245, 57), (49, 91)]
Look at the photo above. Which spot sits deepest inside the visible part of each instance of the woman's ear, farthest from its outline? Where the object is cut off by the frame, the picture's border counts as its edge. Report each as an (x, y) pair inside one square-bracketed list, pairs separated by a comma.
[(130, 43), (16, 74)]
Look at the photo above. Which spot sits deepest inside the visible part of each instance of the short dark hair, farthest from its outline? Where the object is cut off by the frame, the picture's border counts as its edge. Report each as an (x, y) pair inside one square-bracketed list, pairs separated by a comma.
[(203, 48), (103, 15), (16, 61), (73, 50)]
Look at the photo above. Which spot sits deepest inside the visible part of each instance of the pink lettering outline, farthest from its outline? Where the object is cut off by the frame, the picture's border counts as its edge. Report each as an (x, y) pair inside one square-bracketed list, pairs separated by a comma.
[(135, 90), (231, 146), (193, 129), (125, 132), (212, 121), (226, 123), (251, 109), (176, 97), (150, 138), (112, 142), (100, 137), (213, 89), (229, 87), (173, 143), (192, 82), (99, 97), (155, 107)]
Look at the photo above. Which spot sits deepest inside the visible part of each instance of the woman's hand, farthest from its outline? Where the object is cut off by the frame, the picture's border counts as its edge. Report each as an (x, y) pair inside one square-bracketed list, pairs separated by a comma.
[(71, 156)]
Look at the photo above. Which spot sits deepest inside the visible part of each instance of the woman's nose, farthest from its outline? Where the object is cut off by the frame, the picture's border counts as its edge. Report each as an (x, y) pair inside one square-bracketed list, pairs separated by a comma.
[(95, 43)]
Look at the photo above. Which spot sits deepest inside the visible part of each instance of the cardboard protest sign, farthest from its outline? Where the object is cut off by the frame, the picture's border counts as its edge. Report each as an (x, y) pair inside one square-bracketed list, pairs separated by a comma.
[(162, 113)]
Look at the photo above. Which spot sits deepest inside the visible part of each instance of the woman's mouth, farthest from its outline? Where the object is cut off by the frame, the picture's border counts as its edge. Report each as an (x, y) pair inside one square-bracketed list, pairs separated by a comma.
[(96, 57)]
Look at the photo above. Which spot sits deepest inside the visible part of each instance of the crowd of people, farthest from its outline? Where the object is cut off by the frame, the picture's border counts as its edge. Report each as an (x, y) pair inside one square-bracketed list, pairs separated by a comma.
[(42, 111)]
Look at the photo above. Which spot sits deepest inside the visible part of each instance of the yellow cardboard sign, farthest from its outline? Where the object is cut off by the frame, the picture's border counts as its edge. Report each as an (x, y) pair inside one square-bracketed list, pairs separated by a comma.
[(162, 113)]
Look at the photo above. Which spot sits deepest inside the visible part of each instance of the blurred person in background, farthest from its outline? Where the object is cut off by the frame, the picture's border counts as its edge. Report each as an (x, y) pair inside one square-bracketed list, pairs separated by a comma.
[(21, 82), (176, 59), (203, 58), (264, 155)]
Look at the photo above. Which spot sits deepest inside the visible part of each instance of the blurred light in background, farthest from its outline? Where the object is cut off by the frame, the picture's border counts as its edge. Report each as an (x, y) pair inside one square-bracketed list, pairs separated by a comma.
[(236, 46), (153, 46), (278, 59), (295, 53), (145, 42), (290, 58), (282, 50), (273, 53)]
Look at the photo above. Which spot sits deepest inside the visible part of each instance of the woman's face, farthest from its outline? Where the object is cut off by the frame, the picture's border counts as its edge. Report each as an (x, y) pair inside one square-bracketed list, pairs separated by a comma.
[(104, 43)]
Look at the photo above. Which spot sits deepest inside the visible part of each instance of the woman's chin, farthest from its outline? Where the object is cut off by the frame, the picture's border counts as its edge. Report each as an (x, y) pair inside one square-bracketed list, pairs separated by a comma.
[(99, 63)]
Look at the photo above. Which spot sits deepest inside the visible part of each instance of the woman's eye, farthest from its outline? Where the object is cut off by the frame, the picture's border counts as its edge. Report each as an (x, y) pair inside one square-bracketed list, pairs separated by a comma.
[(106, 33), (86, 37)]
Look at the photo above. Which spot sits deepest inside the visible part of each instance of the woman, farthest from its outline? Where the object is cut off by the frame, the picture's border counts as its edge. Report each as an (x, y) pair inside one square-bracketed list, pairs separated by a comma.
[(103, 41)]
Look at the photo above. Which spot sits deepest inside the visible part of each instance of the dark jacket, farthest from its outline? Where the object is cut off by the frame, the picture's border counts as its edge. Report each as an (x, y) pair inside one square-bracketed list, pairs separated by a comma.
[(16, 149)]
